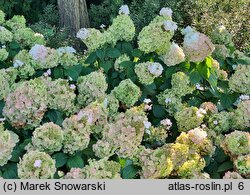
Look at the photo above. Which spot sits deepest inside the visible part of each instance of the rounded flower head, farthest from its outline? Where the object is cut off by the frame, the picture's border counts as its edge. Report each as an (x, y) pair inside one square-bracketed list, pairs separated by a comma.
[(67, 56), (5, 35), (197, 46), (83, 33), (127, 92), (44, 57), (27, 104), (2, 17), (237, 143), (189, 118), (61, 96), (241, 116), (174, 55), (220, 122), (181, 84), (209, 107), (239, 81), (124, 10), (36, 165), (221, 36), (165, 11), (7, 79), (148, 71), (102, 169), (76, 134), (16, 22), (197, 135), (232, 175), (4, 54), (91, 87), (220, 52), (8, 141), (103, 149), (170, 25), (48, 138), (242, 164)]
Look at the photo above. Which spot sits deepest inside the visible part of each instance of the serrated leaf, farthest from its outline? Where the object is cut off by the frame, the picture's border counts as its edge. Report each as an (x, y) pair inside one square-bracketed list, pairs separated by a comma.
[(225, 166), (129, 172), (169, 72), (58, 73), (136, 53), (227, 100), (61, 159), (91, 58), (159, 111), (75, 162), (74, 72), (127, 47), (113, 53), (17, 154), (106, 66), (100, 53), (10, 171), (195, 77)]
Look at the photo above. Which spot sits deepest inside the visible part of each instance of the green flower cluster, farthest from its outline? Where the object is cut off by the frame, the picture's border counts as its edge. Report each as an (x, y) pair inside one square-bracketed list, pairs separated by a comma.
[(16, 22), (4, 54), (127, 92), (222, 37), (91, 87), (119, 61), (67, 56), (102, 169), (220, 52), (26, 104), (8, 141), (242, 164), (189, 118), (61, 96), (154, 38), (236, 143), (2, 17), (220, 122), (5, 35), (148, 71), (36, 165), (239, 81), (241, 116), (48, 138), (7, 79)]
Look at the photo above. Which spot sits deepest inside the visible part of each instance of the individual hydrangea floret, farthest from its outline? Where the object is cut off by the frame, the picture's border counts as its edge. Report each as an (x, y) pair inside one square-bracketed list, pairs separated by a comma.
[(196, 46), (119, 61), (174, 55), (236, 143), (239, 81), (91, 87), (8, 141), (36, 165), (148, 71), (76, 134), (165, 11), (27, 104), (242, 164), (127, 92), (7, 79), (48, 138), (232, 175), (44, 57), (61, 96), (124, 10), (5, 35), (181, 84), (102, 169), (241, 116), (189, 118)]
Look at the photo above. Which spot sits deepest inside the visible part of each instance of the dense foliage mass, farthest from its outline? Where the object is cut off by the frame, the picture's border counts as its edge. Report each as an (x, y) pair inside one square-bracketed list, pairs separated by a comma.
[(154, 109)]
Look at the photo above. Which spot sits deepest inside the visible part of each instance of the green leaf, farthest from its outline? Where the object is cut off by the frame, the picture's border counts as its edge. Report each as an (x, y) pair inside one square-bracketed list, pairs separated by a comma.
[(74, 72), (2, 103), (136, 53), (55, 116), (213, 80), (195, 77), (127, 47), (58, 73), (129, 172), (220, 156), (61, 159), (16, 154), (106, 66), (75, 162), (100, 53), (227, 100), (10, 171), (14, 45), (203, 69), (185, 66), (169, 72), (225, 166), (91, 58), (159, 111), (113, 53)]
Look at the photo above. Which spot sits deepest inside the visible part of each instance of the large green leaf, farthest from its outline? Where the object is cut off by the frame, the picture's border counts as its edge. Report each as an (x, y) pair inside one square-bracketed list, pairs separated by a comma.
[(106, 66), (75, 161), (159, 111), (225, 166), (129, 172), (74, 72), (113, 53), (91, 58), (61, 159)]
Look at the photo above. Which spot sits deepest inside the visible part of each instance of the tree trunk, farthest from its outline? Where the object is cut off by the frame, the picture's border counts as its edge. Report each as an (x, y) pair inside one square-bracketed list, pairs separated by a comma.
[(73, 15)]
